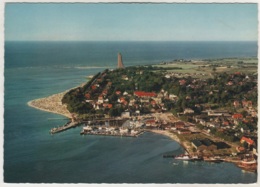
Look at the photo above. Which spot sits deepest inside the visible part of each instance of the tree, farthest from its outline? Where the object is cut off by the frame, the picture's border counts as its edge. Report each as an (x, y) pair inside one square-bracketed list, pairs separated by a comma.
[(113, 112)]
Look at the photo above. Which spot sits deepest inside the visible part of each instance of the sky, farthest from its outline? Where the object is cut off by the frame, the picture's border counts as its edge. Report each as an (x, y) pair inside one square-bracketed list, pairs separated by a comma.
[(130, 22)]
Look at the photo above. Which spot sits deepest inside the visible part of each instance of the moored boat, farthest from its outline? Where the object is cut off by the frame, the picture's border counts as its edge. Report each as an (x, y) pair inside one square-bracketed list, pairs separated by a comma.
[(182, 157), (248, 165), (196, 158), (212, 159)]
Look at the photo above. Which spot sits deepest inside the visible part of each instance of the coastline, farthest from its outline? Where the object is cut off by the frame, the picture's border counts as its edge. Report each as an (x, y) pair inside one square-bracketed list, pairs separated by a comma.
[(166, 133), (174, 138), (51, 104)]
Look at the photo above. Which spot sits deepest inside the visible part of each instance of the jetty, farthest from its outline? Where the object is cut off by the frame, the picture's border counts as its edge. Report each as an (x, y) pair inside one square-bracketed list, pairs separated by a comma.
[(65, 127)]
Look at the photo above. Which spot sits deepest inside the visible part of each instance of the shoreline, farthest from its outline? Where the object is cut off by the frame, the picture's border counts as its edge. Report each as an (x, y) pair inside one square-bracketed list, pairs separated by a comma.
[(168, 134), (51, 104), (173, 137), (187, 148)]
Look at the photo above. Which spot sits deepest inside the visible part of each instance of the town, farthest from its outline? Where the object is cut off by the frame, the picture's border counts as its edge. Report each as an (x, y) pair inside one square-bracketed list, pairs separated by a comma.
[(214, 117)]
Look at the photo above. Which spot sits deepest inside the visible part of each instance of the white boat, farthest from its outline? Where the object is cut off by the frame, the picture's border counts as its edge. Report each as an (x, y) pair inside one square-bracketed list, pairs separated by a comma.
[(182, 157), (196, 158)]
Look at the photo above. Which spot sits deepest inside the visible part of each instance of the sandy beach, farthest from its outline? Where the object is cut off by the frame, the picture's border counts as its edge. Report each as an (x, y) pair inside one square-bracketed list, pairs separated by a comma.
[(167, 133), (51, 104), (174, 137)]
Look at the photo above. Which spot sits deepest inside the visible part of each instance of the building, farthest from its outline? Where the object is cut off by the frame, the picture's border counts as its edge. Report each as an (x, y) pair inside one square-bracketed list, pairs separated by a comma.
[(100, 99), (179, 125), (188, 111), (184, 131), (204, 144), (125, 115), (120, 61), (249, 141), (144, 94), (237, 116), (236, 104), (198, 145)]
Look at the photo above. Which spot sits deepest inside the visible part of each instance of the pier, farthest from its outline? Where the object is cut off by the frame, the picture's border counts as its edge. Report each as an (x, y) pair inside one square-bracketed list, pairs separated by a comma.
[(67, 126)]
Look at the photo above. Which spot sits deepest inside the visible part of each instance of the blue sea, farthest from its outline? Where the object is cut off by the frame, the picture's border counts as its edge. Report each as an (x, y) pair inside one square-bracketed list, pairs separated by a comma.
[(39, 69)]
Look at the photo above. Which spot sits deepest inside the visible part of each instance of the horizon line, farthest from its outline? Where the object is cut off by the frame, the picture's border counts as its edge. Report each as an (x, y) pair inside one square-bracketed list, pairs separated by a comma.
[(130, 40)]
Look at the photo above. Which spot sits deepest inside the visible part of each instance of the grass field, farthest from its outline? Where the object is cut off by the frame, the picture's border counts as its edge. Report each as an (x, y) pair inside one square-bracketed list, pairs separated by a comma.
[(205, 68)]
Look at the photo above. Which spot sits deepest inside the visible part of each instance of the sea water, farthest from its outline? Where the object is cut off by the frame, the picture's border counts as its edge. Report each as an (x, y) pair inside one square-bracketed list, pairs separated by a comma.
[(39, 69)]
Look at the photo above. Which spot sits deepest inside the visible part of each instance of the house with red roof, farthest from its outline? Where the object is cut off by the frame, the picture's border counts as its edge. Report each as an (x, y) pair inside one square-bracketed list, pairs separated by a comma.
[(182, 82), (93, 87), (121, 100), (144, 94), (118, 92), (230, 83), (249, 141), (226, 123), (106, 105), (237, 116), (179, 125), (247, 103), (87, 96), (240, 149)]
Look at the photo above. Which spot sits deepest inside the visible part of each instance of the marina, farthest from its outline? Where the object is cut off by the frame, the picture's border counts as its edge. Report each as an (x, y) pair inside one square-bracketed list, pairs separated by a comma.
[(115, 134), (95, 122)]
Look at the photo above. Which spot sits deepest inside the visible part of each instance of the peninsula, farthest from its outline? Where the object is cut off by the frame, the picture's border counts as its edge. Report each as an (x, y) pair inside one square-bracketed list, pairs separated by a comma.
[(208, 106)]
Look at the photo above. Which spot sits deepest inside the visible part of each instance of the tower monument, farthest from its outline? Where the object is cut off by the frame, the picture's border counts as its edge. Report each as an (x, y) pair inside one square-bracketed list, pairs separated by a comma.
[(120, 61)]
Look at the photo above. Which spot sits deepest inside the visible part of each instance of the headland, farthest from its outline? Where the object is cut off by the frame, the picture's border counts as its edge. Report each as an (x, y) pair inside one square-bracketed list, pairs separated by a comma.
[(199, 104)]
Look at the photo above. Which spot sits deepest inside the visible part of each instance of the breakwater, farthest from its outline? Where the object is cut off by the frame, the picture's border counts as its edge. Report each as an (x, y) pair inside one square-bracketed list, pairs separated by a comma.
[(65, 127)]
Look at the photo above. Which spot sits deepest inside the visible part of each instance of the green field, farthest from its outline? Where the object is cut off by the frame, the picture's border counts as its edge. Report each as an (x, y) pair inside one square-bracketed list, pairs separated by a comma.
[(206, 68)]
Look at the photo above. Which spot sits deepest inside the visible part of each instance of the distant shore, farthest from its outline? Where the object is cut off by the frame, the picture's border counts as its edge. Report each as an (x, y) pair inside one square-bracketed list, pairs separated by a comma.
[(51, 104)]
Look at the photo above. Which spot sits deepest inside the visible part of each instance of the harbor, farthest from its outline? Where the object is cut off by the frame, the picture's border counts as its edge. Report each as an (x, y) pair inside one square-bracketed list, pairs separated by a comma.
[(119, 127)]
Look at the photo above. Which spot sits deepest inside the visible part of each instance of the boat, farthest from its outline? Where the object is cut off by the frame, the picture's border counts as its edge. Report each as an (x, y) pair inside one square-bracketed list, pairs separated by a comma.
[(212, 159), (182, 157), (196, 158), (168, 156), (248, 165)]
